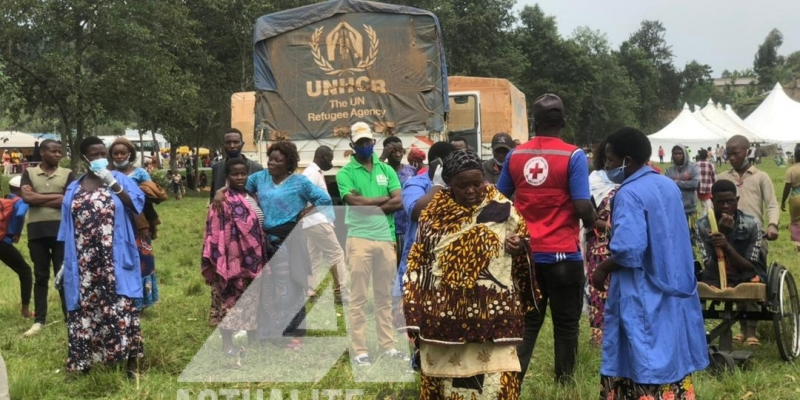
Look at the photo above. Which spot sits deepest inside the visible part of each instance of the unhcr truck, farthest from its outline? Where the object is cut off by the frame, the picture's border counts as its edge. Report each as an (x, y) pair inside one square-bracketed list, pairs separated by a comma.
[(323, 67)]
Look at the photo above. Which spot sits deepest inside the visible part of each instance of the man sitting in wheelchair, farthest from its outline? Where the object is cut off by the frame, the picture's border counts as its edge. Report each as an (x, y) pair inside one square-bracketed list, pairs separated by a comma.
[(739, 238)]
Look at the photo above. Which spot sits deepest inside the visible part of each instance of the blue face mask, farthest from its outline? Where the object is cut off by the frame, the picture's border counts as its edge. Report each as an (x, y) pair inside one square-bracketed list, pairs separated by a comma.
[(366, 151), (617, 175), (97, 165)]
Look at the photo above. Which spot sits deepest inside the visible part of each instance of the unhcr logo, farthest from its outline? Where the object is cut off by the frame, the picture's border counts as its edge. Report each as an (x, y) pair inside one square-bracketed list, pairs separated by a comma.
[(354, 55)]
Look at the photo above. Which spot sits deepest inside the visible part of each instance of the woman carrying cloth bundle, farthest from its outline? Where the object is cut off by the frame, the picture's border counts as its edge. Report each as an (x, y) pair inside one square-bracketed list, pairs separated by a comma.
[(233, 256), (468, 284), (122, 155)]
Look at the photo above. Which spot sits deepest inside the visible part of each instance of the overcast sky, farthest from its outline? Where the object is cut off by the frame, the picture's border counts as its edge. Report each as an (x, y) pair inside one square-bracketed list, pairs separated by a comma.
[(724, 34)]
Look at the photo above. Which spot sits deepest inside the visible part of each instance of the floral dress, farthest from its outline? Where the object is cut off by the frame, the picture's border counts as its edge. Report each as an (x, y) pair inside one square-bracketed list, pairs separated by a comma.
[(597, 246), (105, 328)]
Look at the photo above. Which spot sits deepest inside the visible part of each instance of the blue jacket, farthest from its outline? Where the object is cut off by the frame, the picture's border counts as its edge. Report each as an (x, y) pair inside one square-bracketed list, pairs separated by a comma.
[(653, 329), (18, 219), (127, 267)]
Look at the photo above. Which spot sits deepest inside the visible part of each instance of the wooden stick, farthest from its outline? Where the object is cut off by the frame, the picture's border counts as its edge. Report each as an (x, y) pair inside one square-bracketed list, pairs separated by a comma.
[(723, 272)]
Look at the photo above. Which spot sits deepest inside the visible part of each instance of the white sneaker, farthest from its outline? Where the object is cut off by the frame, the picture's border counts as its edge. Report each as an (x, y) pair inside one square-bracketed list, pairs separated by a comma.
[(35, 329)]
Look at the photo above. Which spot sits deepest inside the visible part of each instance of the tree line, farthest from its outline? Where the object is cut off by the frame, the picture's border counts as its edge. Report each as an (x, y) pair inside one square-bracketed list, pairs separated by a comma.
[(170, 66)]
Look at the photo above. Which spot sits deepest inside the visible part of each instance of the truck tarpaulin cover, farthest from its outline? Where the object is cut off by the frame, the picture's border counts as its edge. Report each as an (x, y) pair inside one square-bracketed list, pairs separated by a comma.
[(326, 66)]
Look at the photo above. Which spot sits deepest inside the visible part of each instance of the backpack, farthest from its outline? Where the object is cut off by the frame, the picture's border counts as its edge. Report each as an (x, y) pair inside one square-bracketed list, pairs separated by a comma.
[(6, 214)]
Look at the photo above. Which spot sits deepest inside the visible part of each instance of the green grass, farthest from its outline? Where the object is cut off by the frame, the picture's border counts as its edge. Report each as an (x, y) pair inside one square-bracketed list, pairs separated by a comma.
[(177, 328)]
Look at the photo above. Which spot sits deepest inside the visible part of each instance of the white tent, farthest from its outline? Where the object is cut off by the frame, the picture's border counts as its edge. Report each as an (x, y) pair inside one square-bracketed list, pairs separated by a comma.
[(724, 121), (711, 126), (735, 117), (13, 140), (777, 118), (687, 130)]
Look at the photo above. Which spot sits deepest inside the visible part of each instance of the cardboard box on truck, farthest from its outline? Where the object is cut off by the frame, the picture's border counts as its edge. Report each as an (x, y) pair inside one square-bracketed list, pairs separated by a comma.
[(243, 118), (502, 108)]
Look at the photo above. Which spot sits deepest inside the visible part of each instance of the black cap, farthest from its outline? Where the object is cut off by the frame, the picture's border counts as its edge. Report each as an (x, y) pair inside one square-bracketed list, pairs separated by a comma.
[(546, 103), (502, 140)]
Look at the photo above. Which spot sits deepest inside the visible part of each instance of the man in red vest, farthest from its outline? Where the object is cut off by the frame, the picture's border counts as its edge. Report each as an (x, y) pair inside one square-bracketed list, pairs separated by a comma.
[(550, 179)]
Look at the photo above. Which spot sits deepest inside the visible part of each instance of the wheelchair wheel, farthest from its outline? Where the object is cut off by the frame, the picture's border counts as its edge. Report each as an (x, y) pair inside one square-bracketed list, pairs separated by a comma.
[(722, 362), (786, 318)]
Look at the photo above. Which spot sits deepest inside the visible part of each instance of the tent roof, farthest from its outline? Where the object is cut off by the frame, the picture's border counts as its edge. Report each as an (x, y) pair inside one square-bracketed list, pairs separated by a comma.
[(777, 118), (13, 139), (735, 117), (686, 128), (719, 118), (720, 131)]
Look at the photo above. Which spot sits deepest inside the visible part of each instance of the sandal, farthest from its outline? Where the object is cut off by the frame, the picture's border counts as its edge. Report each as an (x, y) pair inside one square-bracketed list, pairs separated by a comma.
[(752, 342), (295, 344), (738, 338)]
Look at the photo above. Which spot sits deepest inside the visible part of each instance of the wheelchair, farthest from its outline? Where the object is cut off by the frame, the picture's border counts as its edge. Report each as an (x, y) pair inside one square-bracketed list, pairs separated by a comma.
[(778, 301)]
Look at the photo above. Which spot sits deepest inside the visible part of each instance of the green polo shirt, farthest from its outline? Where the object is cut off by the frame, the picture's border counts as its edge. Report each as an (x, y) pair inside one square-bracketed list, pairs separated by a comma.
[(382, 181)]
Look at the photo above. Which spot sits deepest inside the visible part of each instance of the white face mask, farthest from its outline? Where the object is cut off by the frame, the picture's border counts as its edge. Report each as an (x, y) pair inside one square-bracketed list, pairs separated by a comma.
[(122, 164)]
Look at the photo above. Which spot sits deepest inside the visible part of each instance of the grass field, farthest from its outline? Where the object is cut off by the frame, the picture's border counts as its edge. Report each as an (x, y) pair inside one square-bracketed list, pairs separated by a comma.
[(177, 328)]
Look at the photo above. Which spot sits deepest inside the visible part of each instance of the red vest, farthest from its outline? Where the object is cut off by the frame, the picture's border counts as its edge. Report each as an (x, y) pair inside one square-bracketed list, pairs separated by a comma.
[(540, 171)]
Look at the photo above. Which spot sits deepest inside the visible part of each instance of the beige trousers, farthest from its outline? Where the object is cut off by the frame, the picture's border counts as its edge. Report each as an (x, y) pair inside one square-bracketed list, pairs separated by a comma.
[(322, 241), (371, 259)]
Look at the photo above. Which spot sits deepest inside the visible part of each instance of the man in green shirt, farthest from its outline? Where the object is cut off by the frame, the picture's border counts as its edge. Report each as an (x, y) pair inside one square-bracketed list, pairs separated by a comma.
[(371, 191), (43, 189)]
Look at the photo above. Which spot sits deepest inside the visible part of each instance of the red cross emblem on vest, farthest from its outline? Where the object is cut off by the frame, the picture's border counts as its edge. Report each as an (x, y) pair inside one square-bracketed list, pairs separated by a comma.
[(535, 171)]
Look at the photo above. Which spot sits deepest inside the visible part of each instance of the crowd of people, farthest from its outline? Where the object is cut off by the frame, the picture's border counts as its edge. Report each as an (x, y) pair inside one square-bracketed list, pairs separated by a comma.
[(463, 255)]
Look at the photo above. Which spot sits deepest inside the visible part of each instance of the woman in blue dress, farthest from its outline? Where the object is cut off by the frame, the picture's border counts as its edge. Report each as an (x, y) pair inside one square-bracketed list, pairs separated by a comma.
[(653, 337), (284, 196), (122, 155)]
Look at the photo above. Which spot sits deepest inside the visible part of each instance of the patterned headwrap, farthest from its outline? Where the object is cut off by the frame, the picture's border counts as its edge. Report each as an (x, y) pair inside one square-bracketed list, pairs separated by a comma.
[(416, 154), (458, 162)]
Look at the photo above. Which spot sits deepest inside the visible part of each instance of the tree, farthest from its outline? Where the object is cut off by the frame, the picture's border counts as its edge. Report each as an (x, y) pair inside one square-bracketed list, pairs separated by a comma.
[(651, 39), (790, 69), (767, 61), (648, 59), (552, 65), (611, 99), (75, 58), (697, 86)]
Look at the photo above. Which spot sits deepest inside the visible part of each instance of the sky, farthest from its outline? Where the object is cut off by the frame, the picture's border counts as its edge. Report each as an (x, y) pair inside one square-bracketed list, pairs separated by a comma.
[(724, 34)]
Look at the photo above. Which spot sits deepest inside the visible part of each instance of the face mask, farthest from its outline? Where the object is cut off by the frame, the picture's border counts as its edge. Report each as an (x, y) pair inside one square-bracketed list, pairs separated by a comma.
[(97, 165), (745, 163), (617, 175), (234, 154), (122, 164), (364, 152)]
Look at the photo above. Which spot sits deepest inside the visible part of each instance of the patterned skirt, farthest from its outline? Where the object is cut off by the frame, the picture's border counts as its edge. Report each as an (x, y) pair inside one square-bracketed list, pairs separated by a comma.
[(149, 282), (497, 386), (612, 388), (597, 299), (234, 307)]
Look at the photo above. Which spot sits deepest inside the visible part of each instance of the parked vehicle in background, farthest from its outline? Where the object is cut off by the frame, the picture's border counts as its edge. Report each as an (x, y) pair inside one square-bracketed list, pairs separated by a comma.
[(322, 67)]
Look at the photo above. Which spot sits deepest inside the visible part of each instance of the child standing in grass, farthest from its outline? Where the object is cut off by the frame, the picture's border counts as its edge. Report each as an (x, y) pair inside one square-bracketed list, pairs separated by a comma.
[(233, 256)]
